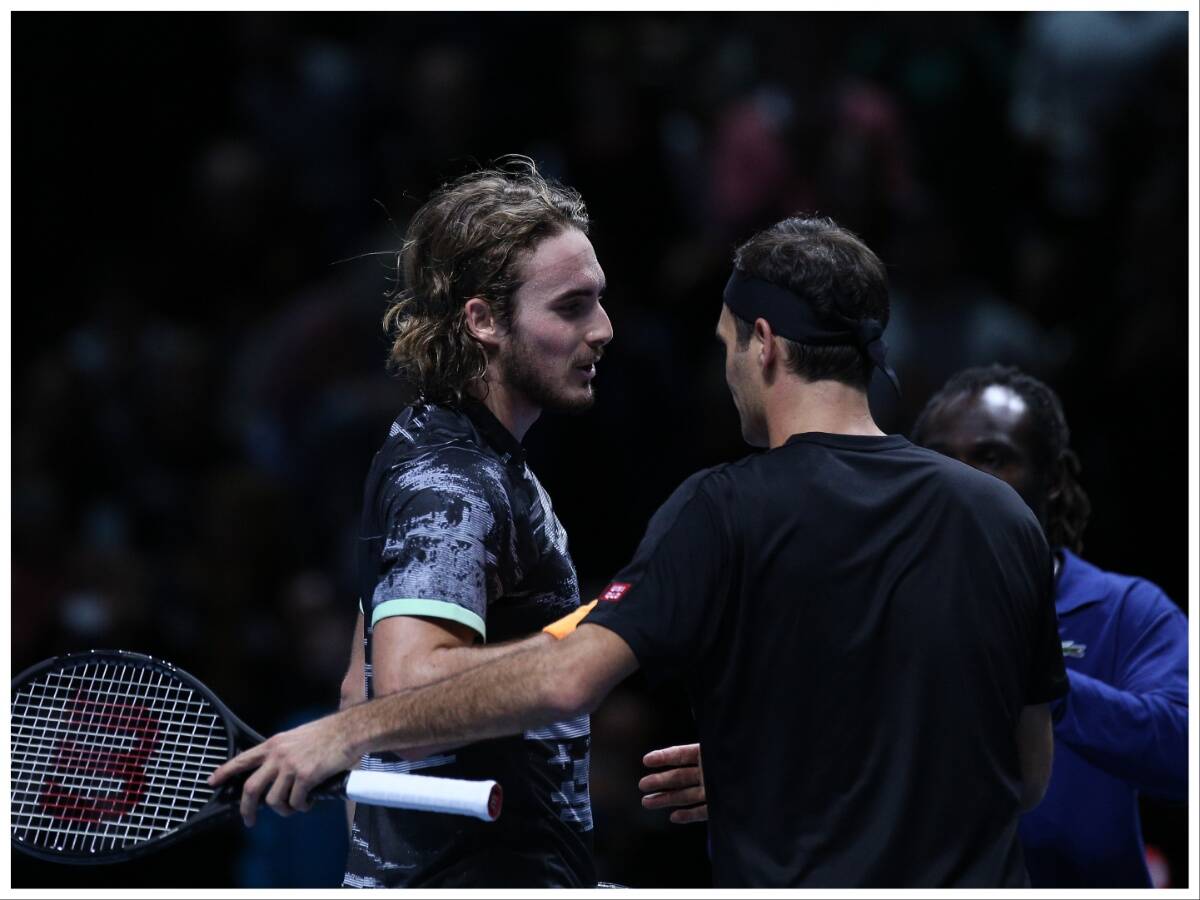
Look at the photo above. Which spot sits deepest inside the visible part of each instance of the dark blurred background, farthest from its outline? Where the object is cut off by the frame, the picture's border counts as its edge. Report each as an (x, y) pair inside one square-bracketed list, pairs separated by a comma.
[(204, 208)]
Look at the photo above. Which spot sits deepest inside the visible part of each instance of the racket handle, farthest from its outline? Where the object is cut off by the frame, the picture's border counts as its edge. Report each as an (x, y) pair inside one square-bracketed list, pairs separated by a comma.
[(457, 796), (331, 788)]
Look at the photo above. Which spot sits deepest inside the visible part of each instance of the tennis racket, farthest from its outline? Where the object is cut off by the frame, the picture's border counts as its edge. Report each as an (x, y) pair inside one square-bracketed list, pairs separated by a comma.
[(111, 752)]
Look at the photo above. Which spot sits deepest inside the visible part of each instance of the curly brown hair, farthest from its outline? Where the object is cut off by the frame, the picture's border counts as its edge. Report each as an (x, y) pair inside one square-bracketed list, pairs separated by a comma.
[(468, 240)]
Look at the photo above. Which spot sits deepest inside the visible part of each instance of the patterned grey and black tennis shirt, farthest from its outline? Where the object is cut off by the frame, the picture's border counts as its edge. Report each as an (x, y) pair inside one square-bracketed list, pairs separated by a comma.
[(455, 526)]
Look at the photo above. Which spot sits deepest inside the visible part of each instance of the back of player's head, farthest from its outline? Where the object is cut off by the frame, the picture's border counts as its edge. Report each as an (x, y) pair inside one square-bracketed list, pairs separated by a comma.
[(832, 270), (468, 240), (1068, 507)]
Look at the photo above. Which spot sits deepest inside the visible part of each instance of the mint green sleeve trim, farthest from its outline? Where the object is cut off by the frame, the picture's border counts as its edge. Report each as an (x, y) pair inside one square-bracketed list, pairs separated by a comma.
[(435, 609)]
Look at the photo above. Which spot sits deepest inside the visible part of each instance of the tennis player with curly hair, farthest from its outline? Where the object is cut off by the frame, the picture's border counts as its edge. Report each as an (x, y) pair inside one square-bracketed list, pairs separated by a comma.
[(461, 558)]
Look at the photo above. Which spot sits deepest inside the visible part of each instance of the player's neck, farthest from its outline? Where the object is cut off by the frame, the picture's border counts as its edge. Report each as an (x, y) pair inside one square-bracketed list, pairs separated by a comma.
[(795, 407), (511, 407)]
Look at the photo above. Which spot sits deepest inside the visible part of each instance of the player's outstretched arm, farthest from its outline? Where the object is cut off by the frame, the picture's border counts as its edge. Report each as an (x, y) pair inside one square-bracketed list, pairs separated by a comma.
[(527, 689), (412, 651), (679, 784)]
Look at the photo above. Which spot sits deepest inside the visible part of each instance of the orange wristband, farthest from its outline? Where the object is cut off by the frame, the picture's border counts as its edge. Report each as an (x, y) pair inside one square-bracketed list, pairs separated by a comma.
[(567, 623)]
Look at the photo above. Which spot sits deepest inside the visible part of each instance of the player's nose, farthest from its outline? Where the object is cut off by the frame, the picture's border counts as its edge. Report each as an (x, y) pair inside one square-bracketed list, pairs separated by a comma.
[(600, 330)]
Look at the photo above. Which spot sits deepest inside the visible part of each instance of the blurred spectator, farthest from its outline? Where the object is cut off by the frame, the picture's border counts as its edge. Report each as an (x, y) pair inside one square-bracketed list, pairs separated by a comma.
[(1078, 75)]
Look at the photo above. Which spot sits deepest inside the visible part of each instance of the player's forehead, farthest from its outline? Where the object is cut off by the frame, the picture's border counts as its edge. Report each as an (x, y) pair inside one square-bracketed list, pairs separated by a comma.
[(562, 263)]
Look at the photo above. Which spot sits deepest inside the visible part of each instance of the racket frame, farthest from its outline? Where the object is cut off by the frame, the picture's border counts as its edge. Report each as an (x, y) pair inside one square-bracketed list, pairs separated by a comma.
[(221, 807)]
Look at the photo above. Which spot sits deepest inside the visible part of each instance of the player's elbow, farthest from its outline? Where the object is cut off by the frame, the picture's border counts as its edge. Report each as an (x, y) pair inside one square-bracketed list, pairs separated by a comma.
[(580, 670), (568, 694), (562, 699), (353, 690)]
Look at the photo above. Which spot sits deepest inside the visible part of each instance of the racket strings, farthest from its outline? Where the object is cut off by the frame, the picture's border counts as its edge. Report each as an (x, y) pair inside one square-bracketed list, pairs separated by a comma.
[(107, 755)]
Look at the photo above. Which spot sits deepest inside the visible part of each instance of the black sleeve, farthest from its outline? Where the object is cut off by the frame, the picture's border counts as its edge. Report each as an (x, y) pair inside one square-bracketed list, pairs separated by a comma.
[(1047, 674), (664, 604)]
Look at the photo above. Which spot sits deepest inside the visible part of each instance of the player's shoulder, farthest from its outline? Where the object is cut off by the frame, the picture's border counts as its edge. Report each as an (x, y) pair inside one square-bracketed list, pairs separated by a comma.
[(435, 449), (972, 486), (441, 436), (690, 502), (450, 483), (706, 482), (680, 498), (721, 484), (453, 467)]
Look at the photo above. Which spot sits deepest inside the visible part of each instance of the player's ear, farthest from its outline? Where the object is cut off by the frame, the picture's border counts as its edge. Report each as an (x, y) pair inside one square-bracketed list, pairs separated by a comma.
[(481, 322), (764, 347)]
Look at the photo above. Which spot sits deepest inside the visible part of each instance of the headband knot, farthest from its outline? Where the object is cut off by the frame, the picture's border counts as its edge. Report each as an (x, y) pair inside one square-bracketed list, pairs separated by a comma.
[(867, 331)]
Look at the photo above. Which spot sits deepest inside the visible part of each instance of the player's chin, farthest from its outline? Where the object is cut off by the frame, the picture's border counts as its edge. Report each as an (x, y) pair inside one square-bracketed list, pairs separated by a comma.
[(573, 400)]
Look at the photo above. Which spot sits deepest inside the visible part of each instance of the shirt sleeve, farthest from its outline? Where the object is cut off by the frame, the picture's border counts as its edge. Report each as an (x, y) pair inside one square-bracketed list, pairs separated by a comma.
[(667, 602), (1137, 727), (444, 525), (1048, 673)]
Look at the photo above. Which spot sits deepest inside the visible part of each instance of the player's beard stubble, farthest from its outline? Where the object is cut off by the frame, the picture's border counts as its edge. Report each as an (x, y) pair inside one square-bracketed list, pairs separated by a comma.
[(519, 369)]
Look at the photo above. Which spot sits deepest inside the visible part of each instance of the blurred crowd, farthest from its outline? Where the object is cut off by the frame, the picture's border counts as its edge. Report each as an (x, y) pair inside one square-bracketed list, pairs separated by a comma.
[(206, 210)]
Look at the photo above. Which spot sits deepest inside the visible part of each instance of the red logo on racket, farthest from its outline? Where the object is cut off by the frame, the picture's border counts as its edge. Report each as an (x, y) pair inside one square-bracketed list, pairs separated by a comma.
[(101, 772), (615, 591)]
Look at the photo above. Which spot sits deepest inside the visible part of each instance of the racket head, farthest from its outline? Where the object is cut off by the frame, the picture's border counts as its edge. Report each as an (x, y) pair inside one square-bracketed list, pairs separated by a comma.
[(110, 755)]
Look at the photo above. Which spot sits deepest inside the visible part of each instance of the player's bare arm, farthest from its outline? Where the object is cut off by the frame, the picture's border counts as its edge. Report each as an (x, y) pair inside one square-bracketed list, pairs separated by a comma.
[(412, 651), (353, 689), (527, 688)]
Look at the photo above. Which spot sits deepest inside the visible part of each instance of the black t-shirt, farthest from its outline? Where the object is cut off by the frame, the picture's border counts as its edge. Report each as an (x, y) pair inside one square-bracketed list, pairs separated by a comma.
[(456, 526), (858, 622)]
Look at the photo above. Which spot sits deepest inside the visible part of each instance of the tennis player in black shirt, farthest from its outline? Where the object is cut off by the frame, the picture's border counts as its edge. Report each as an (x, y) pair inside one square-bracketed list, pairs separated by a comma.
[(865, 628)]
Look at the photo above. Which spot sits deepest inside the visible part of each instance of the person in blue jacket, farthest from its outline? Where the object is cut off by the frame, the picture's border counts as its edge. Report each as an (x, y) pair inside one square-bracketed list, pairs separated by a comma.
[(1122, 728)]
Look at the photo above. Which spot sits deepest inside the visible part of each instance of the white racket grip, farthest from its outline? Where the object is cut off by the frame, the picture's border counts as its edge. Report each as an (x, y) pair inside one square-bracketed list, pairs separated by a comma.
[(481, 799)]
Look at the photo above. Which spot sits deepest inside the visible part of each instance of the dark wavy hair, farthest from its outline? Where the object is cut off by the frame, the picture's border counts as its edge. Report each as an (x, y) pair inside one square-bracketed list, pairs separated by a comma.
[(1068, 508), (468, 240), (832, 269)]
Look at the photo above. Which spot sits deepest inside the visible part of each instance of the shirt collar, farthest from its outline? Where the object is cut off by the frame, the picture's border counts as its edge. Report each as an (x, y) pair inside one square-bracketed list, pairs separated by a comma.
[(1079, 583), (492, 430), (867, 442)]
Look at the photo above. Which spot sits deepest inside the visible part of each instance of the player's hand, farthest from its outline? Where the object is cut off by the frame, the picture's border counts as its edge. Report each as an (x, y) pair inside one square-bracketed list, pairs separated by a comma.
[(681, 785), (286, 767)]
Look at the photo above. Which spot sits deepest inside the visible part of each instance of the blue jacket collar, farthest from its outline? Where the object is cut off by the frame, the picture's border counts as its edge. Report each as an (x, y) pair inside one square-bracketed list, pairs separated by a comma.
[(1079, 583)]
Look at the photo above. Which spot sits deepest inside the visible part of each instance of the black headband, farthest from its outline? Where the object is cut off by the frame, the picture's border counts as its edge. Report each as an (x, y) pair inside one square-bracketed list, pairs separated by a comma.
[(791, 316)]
